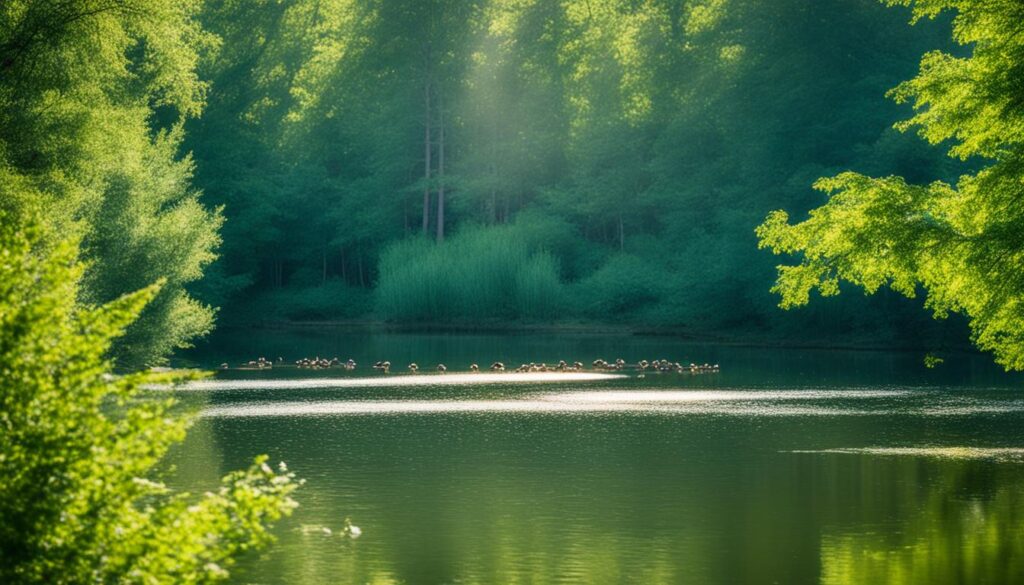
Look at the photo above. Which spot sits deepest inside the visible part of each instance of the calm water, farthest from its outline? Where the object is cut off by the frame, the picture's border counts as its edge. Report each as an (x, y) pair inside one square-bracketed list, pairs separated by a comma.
[(787, 467)]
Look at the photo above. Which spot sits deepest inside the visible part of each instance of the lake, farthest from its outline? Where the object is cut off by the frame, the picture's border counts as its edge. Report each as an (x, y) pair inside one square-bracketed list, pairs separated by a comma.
[(788, 466)]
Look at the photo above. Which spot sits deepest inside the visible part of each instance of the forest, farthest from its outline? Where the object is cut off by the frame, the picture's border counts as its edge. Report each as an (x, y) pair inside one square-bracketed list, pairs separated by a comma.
[(689, 169), (586, 162)]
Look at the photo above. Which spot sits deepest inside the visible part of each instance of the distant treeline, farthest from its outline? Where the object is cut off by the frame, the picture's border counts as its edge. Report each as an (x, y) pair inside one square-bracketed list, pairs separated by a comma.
[(458, 161)]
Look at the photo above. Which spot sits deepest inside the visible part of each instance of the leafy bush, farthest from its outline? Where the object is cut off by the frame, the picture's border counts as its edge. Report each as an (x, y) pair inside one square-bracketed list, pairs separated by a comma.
[(623, 285), (481, 274), (77, 444)]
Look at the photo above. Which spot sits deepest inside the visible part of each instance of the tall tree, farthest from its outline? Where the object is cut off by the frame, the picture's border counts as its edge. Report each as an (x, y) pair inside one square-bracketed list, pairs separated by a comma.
[(961, 244), (92, 98)]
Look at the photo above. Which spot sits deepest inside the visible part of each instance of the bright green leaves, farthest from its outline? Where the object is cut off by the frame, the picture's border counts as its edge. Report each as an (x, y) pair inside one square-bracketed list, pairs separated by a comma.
[(77, 444), (965, 245), (92, 98)]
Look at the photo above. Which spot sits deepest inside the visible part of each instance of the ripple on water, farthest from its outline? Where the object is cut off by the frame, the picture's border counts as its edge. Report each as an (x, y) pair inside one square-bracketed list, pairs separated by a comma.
[(1000, 453)]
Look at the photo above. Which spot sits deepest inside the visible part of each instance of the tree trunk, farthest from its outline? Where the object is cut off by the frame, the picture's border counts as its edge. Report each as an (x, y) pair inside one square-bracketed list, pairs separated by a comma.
[(359, 263), (494, 174), (344, 276), (426, 157), (440, 171), (622, 235)]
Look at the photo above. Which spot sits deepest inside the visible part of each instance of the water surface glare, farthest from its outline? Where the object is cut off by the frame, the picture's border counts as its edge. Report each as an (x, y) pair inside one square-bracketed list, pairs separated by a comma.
[(748, 402), (398, 380)]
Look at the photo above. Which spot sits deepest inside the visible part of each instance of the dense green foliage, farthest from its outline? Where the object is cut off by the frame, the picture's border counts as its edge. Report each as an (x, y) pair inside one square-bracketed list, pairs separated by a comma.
[(93, 95), (961, 243), (633, 144), (481, 275), (78, 503)]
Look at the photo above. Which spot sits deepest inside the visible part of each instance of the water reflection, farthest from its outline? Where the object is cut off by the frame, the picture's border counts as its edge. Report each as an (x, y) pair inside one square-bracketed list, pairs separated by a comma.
[(966, 527)]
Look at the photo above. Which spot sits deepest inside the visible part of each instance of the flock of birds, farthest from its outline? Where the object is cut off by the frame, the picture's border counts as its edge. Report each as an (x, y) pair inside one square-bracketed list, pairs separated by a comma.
[(600, 365)]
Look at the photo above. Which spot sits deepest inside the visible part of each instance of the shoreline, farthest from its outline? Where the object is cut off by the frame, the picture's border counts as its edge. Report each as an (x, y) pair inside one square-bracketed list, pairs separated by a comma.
[(601, 329)]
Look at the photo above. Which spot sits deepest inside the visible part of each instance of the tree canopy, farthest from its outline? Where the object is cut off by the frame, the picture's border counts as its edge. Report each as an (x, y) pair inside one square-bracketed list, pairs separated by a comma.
[(961, 242), (627, 147), (93, 95)]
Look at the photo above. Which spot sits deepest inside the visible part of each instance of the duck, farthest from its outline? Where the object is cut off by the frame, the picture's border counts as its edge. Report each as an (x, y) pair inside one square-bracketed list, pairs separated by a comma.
[(351, 530), (350, 364), (442, 368), (474, 368), (384, 366), (413, 367), (497, 367)]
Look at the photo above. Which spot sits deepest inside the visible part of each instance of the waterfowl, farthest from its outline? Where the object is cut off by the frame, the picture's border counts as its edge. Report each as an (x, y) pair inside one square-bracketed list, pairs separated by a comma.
[(497, 367), (350, 364), (474, 368), (224, 366), (442, 368), (413, 367), (350, 530), (384, 367)]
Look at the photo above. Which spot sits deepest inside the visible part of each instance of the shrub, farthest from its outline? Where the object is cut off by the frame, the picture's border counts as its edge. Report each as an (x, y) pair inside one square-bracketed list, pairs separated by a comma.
[(77, 444), (481, 274)]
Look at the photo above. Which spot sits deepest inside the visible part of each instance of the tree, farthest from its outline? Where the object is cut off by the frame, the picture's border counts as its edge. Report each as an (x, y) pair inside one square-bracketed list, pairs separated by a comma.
[(93, 95), (962, 244), (78, 445)]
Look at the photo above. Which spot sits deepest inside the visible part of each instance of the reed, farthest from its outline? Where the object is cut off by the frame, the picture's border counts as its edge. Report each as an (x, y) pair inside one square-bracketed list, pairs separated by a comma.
[(481, 274)]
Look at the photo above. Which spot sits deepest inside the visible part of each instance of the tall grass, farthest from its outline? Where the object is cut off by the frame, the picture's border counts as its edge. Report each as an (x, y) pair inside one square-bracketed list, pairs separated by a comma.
[(481, 274)]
